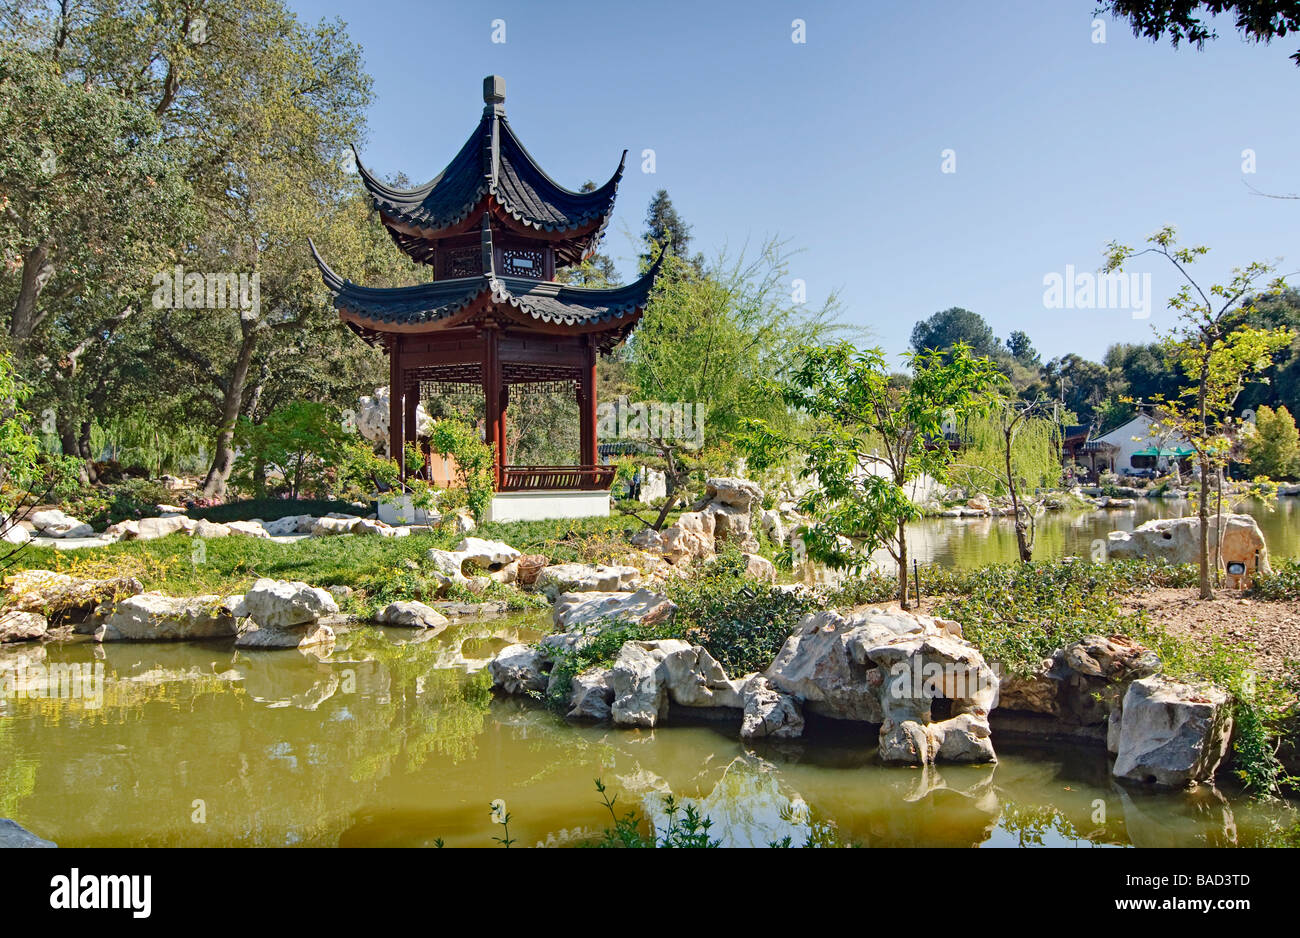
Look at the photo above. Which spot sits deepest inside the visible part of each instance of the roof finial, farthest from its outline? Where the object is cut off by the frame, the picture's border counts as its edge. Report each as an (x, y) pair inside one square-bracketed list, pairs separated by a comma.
[(494, 92)]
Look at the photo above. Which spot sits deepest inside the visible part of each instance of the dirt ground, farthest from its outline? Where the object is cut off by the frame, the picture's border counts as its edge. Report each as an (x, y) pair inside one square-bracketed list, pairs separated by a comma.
[(1272, 629)]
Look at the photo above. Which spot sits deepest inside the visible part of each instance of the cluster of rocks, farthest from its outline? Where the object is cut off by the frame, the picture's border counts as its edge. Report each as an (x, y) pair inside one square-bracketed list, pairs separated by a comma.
[(171, 519), (881, 666), (725, 515), (1162, 732)]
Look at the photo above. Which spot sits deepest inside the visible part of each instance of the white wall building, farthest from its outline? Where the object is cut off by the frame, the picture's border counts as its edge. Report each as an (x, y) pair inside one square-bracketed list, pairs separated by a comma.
[(1138, 445)]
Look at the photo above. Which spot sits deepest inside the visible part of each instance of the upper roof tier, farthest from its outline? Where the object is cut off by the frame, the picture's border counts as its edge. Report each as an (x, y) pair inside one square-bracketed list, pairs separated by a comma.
[(494, 168)]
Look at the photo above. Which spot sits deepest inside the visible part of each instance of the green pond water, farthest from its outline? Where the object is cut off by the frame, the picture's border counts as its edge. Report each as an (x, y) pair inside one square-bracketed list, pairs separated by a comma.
[(973, 542), (389, 740)]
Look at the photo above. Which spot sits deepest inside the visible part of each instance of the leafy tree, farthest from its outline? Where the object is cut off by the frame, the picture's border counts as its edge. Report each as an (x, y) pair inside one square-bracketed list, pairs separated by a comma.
[(1273, 450), (714, 339), (861, 411), (1184, 20), (946, 328), (1080, 385), (301, 442), (1217, 353), (475, 463), (1016, 445), (665, 230), (1022, 349)]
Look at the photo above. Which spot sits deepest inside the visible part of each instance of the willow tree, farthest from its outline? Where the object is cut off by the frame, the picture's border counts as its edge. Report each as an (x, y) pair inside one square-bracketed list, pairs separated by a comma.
[(857, 409), (1012, 448), (1217, 353)]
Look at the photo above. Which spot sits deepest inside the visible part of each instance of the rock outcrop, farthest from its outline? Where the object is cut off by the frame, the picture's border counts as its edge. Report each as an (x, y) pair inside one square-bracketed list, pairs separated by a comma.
[(582, 610), (286, 614), (769, 714), (61, 597), (153, 617), (54, 523), (892, 667), (18, 626), (1170, 734), (586, 578), (1081, 683), (1178, 540)]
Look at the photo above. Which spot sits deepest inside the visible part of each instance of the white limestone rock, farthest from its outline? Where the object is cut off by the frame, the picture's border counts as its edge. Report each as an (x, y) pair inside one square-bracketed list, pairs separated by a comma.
[(412, 615), (153, 617), (18, 626), (284, 604), (586, 578), (1172, 735), (54, 523)]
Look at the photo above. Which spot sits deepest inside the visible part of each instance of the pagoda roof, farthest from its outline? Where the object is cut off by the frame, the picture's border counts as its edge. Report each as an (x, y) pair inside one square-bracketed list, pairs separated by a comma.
[(493, 165), (542, 304)]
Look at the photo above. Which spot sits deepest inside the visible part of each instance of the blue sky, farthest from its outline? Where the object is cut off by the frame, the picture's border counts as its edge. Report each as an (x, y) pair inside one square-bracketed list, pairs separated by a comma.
[(836, 144)]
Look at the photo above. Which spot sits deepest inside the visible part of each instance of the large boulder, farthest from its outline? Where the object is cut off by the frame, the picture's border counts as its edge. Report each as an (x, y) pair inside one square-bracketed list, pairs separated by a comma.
[(1170, 734), (286, 614), (59, 596), (1178, 540), (689, 539), (244, 529), (586, 578), (591, 696), (284, 604), (153, 617), (307, 636), (17, 626), (694, 678), (892, 667), (487, 555), (11, 532), (1082, 683), (732, 503), (293, 524), (328, 527), (639, 682), (582, 610), (54, 523), (12, 835), (412, 615), (209, 529), (373, 414), (149, 529)]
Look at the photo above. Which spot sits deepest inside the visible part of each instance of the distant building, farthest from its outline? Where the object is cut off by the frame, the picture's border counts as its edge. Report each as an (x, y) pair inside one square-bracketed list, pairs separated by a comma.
[(1136, 447)]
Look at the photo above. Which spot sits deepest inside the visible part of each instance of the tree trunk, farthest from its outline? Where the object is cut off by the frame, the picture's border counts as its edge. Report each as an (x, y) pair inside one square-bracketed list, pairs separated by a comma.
[(902, 566), (37, 271), (1203, 512), (223, 460)]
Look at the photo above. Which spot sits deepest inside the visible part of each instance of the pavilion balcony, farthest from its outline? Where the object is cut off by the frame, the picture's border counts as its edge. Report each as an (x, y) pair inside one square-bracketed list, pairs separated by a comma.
[(557, 478)]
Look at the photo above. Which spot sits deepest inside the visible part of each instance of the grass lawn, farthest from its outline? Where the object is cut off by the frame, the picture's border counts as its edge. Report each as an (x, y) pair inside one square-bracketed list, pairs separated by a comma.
[(181, 566)]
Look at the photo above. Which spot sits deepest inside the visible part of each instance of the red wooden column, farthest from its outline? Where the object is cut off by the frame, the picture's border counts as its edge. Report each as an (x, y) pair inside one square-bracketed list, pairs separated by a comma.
[(492, 396), (409, 433), (396, 416), (587, 401), (501, 428)]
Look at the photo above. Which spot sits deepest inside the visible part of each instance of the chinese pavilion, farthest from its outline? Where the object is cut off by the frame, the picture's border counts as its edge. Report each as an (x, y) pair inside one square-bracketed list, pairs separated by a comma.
[(494, 228)]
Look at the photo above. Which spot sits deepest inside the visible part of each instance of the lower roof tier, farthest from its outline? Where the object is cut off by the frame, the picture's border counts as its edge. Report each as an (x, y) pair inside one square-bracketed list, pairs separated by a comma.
[(542, 304)]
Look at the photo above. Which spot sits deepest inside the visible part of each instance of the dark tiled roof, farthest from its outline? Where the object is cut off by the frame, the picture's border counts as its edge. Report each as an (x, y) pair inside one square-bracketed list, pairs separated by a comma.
[(544, 301), (494, 162)]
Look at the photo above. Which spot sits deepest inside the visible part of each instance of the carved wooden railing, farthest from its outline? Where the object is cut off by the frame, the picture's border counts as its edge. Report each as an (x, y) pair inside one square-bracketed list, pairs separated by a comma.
[(564, 478)]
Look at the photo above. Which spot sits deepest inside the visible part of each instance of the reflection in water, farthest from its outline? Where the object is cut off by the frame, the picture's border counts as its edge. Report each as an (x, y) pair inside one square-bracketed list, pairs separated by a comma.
[(395, 739)]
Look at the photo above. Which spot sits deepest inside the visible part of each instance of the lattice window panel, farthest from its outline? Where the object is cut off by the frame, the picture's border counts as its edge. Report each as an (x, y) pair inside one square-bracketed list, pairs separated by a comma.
[(522, 262), (463, 262)]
